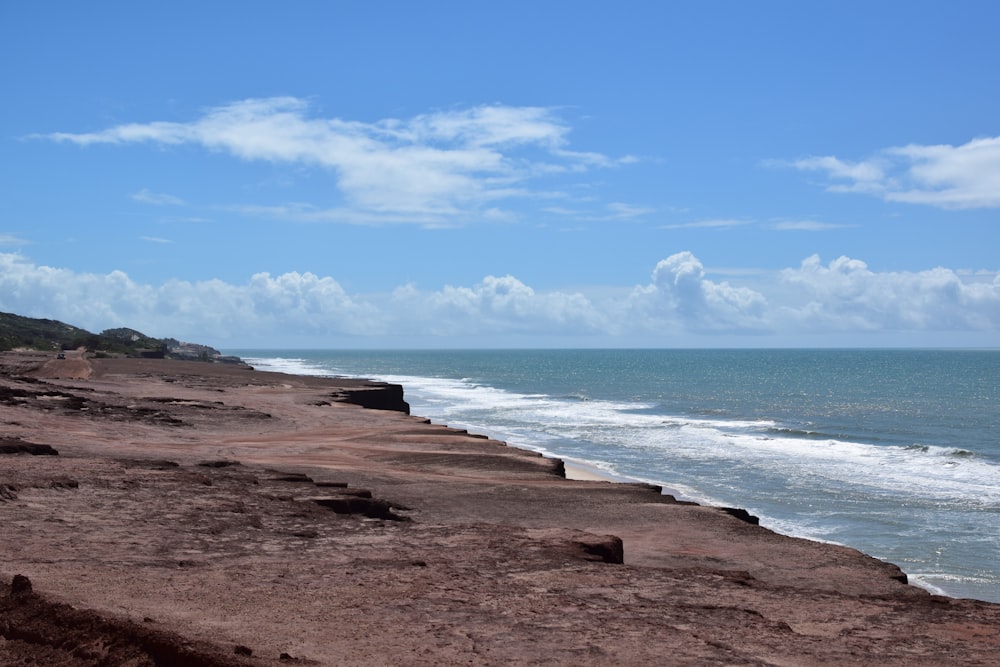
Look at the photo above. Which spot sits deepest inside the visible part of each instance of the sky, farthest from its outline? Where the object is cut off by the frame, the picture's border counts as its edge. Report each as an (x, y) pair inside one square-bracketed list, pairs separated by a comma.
[(518, 174)]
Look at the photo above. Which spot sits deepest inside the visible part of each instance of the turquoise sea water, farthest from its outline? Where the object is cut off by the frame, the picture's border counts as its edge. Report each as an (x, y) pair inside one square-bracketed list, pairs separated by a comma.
[(893, 452)]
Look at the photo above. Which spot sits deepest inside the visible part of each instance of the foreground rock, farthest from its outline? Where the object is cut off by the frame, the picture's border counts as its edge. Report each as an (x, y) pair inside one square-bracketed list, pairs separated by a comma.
[(259, 518), (37, 630)]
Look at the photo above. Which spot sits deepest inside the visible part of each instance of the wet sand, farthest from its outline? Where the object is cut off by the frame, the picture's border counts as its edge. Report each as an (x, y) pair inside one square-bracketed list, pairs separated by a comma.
[(260, 518)]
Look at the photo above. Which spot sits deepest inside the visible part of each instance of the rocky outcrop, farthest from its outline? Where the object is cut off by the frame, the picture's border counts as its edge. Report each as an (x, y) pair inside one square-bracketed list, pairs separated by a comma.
[(18, 446), (579, 545), (375, 396), (175, 349), (35, 630), (742, 515), (372, 508)]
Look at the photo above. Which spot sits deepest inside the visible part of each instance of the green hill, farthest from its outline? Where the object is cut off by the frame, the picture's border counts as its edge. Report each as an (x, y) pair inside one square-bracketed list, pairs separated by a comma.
[(36, 334), (17, 331)]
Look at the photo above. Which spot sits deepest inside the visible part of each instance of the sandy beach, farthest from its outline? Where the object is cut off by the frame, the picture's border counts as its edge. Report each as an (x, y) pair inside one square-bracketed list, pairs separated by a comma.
[(167, 512)]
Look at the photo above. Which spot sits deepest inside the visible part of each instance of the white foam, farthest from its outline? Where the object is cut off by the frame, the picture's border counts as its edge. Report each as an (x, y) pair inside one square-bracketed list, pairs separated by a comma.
[(956, 585), (541, 422), (775, 466), (290, 365), (538, 421)]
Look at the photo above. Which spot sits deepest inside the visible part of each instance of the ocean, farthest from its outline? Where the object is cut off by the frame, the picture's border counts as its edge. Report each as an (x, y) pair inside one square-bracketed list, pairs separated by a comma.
[(893, 452)]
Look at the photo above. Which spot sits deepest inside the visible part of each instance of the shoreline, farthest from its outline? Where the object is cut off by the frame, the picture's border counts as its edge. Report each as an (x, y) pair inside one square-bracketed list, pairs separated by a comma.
[(575, 469), (581, 470), (584, 471), (265, 512)]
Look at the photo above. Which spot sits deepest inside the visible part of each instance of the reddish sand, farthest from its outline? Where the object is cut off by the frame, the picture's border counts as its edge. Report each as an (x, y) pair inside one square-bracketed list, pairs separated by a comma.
[(206, 514)]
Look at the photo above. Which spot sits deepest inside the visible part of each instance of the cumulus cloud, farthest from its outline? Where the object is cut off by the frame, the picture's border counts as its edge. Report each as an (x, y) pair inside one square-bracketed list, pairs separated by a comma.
[(292, 303), (432, 167), (680, 298), (681, 301), (497, 305), (946, 176), (846, 295)]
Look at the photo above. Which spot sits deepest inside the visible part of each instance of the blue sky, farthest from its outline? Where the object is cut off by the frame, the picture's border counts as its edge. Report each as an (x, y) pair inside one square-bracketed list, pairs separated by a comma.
[(445, 174)]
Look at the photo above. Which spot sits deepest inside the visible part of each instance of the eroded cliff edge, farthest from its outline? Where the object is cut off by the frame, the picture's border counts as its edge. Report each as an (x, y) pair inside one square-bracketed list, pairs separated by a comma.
[(257, 511)]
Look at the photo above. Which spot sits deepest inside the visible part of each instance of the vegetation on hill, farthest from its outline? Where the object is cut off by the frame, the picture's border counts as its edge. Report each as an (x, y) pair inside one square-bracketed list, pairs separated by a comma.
[(17, 331), (38, 334)]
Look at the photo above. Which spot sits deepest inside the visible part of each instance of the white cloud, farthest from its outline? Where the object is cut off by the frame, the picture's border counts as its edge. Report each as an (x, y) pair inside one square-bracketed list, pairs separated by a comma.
[(846, 295), (431, 168), (806, 226), (487, 126), (622, 210), (184, 219), (966, 176), (946, 176), (562, 210), (12, 239), (496, 305), (680, 298), (305, 212), (717, 223), (611, 212), (146, 197), (681, 302), (155, 239), (285, 306), (866, 176)]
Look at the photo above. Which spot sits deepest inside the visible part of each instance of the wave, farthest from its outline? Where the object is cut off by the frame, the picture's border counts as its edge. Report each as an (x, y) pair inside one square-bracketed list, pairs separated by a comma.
[(794, 432), (636, 439), (872, 490), (640, 442), (290, 365), (942, 451), (958, 585)]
